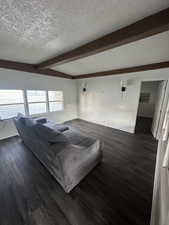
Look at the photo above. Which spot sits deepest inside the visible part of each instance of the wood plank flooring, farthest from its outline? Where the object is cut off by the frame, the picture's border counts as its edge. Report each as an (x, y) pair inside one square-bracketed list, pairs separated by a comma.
[(116, 192)]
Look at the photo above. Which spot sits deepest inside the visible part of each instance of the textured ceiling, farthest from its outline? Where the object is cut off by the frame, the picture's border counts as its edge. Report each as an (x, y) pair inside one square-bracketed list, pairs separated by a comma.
[(154, 49), (34, 30)]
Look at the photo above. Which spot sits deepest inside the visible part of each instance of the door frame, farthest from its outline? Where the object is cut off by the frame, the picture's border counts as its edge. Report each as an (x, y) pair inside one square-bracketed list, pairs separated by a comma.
[(165, 99), (160, 206), (156, 130)]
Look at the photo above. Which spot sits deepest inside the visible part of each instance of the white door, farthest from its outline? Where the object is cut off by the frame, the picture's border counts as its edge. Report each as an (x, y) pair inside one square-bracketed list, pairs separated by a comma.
[(159, 109)]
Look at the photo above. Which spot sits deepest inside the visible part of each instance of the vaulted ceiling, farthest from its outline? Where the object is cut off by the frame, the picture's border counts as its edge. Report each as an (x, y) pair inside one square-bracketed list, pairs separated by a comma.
[(36, 30)]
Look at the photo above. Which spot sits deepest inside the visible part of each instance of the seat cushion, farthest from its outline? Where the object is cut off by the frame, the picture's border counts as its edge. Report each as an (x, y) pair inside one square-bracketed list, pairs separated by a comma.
[(76, 138), (59, 127)]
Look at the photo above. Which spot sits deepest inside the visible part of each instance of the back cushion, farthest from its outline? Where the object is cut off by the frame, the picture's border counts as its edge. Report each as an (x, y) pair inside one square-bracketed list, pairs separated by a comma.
[(25, 120), (29, 122), (48, 134), (19, 115)]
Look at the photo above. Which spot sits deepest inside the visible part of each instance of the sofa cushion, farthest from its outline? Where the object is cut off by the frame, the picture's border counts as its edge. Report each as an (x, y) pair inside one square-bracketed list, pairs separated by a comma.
[(29, 122), (41, 120), (48, 134), (59, 127), (19, 115)]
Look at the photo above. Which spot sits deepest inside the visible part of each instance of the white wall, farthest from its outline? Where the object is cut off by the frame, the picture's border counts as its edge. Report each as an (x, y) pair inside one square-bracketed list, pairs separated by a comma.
[(147, 109), (103, 104), (10, 79)]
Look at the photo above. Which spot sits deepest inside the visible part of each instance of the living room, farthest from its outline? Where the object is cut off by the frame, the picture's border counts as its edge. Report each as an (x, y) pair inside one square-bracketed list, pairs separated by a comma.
[(71, 78)]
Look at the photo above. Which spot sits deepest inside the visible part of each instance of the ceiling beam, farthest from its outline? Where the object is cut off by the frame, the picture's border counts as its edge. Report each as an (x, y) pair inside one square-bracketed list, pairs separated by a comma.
[(25, 67), (127, 70), (144, 28)]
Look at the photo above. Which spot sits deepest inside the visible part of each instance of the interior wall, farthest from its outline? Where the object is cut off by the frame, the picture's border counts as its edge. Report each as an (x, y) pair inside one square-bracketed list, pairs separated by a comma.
[(102, 103), (10, 79), (146, 109)]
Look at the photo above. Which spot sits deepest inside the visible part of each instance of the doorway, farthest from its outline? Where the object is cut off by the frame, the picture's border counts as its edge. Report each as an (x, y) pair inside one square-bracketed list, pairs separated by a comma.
[(151, 102)]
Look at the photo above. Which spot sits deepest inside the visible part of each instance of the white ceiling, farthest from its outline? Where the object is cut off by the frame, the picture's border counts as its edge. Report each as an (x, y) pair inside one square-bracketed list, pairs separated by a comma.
[(154, 49), (34, 30)]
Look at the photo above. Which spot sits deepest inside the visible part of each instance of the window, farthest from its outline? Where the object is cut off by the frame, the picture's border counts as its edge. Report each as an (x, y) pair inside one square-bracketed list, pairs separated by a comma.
[(55, 100), (36, 102), (29, 102), (11, 102)]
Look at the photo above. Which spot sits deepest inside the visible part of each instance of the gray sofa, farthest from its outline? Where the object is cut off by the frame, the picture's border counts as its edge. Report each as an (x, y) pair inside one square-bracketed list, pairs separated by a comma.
[(67, 154)]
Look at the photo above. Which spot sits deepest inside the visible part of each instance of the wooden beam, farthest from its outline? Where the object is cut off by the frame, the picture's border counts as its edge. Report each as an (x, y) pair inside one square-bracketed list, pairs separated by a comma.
[(127, 70), (25, 67), (144, 28)]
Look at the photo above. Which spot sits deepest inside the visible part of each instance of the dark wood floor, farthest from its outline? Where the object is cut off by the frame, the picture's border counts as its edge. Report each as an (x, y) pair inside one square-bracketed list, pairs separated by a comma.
[(143, 125), (116, 192)]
